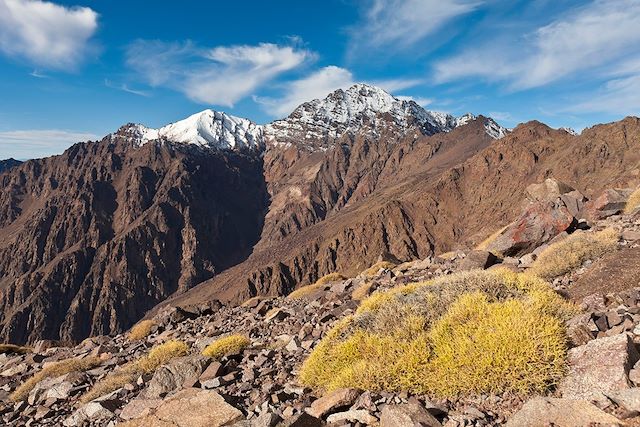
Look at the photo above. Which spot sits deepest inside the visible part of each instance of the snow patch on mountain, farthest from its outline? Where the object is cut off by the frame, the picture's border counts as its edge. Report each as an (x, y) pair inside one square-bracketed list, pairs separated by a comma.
[(210, 129)]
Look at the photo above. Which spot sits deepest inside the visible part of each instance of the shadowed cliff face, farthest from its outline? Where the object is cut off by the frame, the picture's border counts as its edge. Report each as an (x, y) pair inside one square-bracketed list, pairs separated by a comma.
[(92, 239), (410, 198)]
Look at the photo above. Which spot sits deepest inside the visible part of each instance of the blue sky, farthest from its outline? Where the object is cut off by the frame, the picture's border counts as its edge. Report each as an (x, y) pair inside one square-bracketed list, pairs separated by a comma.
[(77, 70)]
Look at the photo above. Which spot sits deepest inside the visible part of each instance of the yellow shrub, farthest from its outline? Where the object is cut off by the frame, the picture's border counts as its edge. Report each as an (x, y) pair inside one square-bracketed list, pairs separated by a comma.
[(309, 289), (373, 270), (362, 291), (568, 254), (158, 356), (226, 345), (141, 330), (472, 332), (53, 371), (14, 349), (633, 202), (486, 242)]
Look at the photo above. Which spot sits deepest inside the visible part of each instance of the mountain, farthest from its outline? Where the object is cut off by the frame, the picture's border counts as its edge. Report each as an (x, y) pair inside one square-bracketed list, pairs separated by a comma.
[(217, 207), (8, 164)]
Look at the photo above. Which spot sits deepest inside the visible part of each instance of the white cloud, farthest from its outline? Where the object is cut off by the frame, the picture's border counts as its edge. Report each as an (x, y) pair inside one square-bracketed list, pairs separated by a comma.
[(317, 85), (402, 23), (221, 76), (418, 100), (619, 96), (26, 144), (594, 39), (125, 88), (46, 34)]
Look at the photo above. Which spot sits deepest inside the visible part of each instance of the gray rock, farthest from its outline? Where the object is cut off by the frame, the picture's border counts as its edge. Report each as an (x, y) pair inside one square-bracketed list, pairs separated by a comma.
[(547, 411), (598, 368), (407, 415), (174, 375), (333, 401), (355, 415)]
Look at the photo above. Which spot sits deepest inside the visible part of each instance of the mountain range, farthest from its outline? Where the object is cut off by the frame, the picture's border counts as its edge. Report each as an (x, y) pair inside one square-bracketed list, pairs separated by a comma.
[(216, 207)]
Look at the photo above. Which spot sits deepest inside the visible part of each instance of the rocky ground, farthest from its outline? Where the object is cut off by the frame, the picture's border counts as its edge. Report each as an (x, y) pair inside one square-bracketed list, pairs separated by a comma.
[(258, 386)]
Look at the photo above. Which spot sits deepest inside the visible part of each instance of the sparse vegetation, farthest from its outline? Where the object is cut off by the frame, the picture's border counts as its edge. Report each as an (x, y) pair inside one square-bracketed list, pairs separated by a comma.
[(14, 349), (633, 202), (486, 242), (375, 268), (362, 291), (570, 253), (471, 332), (141, 330), (54, 370), (309, 289), (226, 345), (157, 356)]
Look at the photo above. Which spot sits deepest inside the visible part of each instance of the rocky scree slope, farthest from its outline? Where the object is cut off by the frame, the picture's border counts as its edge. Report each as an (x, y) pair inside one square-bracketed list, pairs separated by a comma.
[(258, 385)]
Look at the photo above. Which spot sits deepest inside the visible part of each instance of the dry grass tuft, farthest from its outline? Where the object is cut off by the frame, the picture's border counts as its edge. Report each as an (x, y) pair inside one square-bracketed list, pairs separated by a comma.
[(141, 330), (227, 345), (53, 371), (569, 254), (158, 356), (375, 268), (473, 332), (14, 349), (633, 202), (309, 289), (486, 242), (362, 291)]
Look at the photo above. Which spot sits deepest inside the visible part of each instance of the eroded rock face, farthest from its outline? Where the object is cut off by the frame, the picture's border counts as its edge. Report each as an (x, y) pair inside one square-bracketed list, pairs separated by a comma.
[(107, 230)]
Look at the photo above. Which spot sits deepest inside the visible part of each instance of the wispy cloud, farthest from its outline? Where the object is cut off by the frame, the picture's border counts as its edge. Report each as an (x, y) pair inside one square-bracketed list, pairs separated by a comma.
[(403, 23), (38, 74), (123, 87), (221, 75), (595, 39), (418, 100), (618, 96), (46, 34), (21, 144)]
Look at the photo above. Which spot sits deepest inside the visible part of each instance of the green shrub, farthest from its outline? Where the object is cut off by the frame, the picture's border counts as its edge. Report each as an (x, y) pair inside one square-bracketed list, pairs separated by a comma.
[(472, 332), (227, 345), (569, 254)]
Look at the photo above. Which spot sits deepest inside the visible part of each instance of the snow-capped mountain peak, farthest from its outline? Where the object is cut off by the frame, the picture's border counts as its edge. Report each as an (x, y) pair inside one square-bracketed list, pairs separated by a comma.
[(208, 128)]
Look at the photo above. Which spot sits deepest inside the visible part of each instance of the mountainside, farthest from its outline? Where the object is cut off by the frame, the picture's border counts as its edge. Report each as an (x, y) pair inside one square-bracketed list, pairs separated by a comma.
[(8, 164), (233, 209)]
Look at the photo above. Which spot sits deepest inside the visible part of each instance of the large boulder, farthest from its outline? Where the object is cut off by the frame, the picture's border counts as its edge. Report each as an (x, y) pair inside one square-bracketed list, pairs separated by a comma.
[(610, 202), (407, 415), (548, 411), (549, 190), (338, 399), (598, 368), (191, 407), (540, 222), (180, 372)]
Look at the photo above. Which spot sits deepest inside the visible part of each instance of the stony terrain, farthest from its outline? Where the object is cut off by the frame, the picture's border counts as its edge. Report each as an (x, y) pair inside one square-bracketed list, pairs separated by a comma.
[(258, 386), (209, 210)]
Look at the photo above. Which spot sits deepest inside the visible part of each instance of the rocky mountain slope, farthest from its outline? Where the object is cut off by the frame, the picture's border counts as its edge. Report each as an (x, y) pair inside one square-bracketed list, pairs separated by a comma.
[(8, 164), (257, 384), (111, 228)]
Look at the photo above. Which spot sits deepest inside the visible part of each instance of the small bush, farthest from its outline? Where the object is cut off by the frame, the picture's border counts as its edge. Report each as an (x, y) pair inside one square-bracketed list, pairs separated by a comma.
[(569, 254), (54, 370), (473, 332), (375, 268), (141, 330), (14, 349), (228, 345), (157, 356), (489, 240), (633, 202), (309, 289)]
